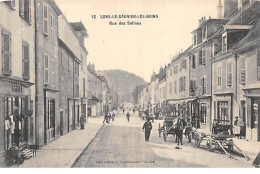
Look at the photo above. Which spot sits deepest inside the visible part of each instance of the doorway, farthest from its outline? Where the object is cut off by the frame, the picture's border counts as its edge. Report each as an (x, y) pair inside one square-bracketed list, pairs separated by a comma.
[(61, 123)]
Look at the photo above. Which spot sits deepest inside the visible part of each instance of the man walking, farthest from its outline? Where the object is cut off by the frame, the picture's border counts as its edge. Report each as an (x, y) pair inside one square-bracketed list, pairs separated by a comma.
[(128, 116), (147, 127)]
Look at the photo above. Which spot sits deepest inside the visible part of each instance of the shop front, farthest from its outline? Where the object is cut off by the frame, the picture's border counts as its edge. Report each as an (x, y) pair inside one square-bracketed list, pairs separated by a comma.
[(16, 115), (253, 114)]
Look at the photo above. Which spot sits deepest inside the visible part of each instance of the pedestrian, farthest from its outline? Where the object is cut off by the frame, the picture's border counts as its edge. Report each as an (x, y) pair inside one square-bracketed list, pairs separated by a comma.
[(105, 118), (109, 117), (147, 127), (237, 127), (188, 131), (113, 116), (128, 116), (123, 111), (179, 131), (82, 120)]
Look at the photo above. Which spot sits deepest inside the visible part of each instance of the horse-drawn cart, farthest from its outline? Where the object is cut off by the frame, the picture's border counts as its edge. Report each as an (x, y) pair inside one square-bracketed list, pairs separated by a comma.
[(167, 127), (220, 139)]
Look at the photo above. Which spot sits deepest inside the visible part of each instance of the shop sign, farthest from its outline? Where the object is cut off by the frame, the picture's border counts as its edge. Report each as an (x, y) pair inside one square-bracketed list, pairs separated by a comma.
[(16, 87)]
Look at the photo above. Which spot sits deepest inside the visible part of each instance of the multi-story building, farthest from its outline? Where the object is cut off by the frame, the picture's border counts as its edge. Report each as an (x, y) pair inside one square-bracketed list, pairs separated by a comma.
[(17, 75), (177, 80), (46, 70), (229, 78), (82, 53), (69, 69)]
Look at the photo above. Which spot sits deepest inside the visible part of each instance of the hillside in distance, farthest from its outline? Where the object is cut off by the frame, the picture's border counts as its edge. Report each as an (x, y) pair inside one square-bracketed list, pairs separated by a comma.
[(122, 82)]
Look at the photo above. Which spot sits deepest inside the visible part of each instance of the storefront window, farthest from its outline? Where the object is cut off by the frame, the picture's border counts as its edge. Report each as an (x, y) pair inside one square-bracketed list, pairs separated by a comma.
[(223, 115), (254, 119), (203, 112)]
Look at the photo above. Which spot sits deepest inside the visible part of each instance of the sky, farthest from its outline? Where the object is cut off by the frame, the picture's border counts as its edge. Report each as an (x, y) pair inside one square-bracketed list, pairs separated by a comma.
[(139, 49)]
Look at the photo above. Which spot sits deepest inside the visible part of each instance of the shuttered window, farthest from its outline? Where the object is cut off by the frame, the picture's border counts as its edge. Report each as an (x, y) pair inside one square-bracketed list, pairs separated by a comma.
[(6, 53), (26, 62), (46, 69), (203, 85), (51, 27), (243, 72), (200, 57), (51, 71), (25, 10), (45, 19), (10, 3), (193, 61), (219, 75), (203, 61), (229, 74)]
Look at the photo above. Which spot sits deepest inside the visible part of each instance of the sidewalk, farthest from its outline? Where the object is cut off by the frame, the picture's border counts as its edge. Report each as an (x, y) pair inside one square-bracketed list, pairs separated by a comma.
[(250, 148), (64, 151)]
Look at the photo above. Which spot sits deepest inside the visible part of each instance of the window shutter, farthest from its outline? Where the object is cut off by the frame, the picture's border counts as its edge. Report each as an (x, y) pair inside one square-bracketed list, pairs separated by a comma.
[(202, 85), (200, 57), (45, 19), (30, 12), (243, 72), (6, 53), (229, 74), (21, 8), (26, 62), (203, 61), (46, 69), (205, 85)]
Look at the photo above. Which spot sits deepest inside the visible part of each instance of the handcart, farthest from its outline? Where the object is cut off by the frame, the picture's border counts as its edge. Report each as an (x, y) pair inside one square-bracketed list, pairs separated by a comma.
[(167, 127)]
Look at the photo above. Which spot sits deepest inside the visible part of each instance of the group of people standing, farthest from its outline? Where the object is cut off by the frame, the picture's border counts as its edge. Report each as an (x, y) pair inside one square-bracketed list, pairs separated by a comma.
[(108, 117)]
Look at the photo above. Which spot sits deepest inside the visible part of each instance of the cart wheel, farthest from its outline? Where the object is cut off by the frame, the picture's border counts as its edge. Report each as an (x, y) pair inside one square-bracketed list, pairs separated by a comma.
[(165, 134), (159, 130)]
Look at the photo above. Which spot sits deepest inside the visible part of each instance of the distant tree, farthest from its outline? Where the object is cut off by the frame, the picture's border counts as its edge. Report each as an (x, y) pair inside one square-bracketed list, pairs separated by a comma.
[(136, 92)]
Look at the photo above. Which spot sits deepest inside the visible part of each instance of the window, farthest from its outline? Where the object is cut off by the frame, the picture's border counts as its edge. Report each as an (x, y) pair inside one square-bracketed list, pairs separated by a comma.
[(45, 19), (175, 87), (46, 69), (60, 52), (203, 85), (219, 75), (77, 91), (182, 84), (212, 49), (223, 112), (25, 10), (6, 53), (10, 3), (195, 39), (203, 112), (183, 64), (202, 57), (204, 33), (194, 61), (229, 74), (76, 68), (52, 79), (175, 69), (258, 65), (51, 27), (171, 72), (243, 72), (82, 63), (26, 61), (224, 43), (69, 62), (170, 87), (51, 117)]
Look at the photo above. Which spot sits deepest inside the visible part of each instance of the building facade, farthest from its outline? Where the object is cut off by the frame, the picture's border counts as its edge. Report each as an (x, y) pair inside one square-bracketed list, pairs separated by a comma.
[(17, 77)]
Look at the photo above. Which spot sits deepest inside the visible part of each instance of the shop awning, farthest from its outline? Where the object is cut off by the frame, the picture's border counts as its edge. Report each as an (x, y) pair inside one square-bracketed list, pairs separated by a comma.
[(252, 92)]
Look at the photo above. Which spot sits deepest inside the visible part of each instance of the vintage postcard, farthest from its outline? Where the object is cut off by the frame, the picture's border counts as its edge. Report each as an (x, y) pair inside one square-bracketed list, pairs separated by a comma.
[(130, 84)]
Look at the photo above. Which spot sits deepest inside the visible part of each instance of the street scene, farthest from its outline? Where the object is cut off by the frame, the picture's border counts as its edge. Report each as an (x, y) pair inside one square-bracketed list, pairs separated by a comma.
[(129, 84)]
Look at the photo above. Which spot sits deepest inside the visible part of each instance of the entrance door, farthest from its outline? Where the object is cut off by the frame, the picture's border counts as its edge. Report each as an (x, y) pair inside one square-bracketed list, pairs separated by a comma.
[(61, 123), (243, 106), (89, 111)]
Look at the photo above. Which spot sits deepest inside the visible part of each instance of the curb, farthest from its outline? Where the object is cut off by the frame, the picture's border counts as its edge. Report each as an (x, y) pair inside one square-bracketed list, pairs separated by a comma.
[(79, 154)]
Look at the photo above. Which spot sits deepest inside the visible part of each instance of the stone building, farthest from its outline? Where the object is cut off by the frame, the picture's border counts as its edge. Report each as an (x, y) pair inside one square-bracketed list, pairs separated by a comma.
[(46, 70), (17, 76)]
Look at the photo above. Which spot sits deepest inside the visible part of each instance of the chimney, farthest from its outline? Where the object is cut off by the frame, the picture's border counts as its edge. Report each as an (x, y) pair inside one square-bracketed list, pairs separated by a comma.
[(219, 10), (229, 7)]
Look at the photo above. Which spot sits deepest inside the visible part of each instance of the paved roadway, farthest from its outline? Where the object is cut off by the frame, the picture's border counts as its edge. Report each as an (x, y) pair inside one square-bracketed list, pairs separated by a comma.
[(121, 144)]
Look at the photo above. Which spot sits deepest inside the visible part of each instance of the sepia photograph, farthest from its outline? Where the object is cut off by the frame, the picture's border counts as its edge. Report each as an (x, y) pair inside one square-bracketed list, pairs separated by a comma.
[(88, 84)]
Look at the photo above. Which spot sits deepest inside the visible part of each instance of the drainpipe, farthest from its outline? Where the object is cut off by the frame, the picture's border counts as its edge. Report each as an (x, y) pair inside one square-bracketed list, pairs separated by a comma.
[(36, 136)]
